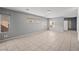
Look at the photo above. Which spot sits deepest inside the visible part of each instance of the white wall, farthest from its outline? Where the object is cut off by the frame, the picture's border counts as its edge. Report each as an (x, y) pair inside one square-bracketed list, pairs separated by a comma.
[(58, 24), (0, 23), (78, 23)]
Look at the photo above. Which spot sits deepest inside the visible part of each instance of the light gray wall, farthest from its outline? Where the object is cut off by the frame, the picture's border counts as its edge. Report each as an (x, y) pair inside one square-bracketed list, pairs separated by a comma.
[(78, 21), (22, 27), (19, 25), (78, 24), (59, 24)]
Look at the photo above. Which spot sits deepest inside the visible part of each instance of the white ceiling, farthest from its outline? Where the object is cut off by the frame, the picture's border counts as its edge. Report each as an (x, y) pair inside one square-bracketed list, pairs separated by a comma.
[(43, 11)]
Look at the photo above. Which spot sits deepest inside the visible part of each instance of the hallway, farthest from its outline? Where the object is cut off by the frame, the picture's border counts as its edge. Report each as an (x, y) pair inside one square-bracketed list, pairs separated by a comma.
[(43, 41)]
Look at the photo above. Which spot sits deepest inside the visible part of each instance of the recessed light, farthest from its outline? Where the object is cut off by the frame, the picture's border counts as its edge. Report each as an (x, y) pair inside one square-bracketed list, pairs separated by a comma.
[(49, 11)]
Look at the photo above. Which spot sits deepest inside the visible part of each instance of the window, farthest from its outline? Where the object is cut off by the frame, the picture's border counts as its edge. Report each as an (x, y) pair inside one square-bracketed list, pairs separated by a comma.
[(4, 23)]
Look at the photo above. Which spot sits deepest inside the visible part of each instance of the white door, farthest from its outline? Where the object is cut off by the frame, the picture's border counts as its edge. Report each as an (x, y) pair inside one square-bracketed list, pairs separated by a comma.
[(65, 25)]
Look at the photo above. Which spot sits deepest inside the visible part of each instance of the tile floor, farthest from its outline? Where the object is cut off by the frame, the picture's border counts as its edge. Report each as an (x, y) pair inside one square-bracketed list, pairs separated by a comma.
[(43, 41)]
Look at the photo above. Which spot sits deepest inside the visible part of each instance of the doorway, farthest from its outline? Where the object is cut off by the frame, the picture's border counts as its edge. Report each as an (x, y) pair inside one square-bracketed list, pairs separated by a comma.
[(70, 24)]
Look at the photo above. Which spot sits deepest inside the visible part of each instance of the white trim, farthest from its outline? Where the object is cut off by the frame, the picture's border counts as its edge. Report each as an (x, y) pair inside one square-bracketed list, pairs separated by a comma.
[(0, 23)]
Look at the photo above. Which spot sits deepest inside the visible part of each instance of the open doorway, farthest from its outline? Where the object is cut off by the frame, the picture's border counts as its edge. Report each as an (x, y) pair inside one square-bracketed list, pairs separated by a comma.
[(70, 24)]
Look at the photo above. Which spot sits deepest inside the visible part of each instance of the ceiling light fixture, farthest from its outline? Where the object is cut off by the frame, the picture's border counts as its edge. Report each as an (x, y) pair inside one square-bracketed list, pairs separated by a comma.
[(49, 11)]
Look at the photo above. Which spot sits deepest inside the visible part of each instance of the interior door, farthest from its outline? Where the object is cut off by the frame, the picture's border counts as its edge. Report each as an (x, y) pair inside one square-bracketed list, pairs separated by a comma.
[(65, 25)]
